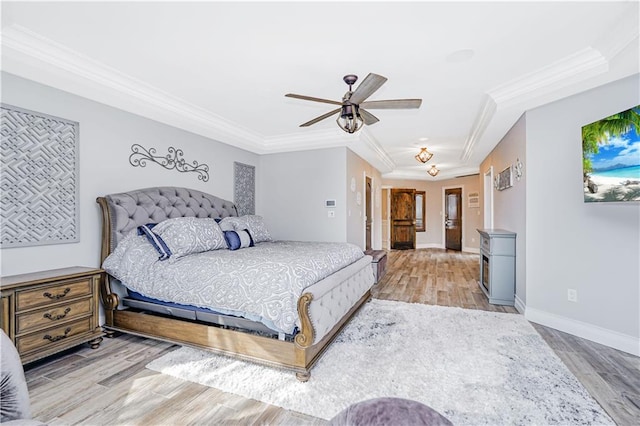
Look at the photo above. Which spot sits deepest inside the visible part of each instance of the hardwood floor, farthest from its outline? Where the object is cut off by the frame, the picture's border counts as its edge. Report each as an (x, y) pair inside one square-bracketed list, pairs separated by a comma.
[(111, 385), (435, 277)]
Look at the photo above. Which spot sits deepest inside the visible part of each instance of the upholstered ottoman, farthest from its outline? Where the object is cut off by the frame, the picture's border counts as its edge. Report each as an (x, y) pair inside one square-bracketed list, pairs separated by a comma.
[(389, 412), (14, 394), (379, 262)]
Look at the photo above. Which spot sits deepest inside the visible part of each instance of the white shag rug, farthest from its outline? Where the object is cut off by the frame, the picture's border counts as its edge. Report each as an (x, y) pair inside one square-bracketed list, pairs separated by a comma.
[(474, 367)]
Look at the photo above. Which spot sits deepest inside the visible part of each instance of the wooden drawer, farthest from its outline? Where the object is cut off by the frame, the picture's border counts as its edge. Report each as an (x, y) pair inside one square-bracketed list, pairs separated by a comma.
[(52, 336), (52, 316), (46, 295), (485, 244)]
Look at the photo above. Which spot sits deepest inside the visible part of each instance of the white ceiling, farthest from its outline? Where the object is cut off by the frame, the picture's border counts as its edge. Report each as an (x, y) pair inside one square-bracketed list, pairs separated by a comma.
[(221, 69)]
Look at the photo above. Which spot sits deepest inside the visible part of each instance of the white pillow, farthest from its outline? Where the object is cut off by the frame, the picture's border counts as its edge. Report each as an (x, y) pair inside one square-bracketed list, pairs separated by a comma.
[(189, 235), (254, 224)]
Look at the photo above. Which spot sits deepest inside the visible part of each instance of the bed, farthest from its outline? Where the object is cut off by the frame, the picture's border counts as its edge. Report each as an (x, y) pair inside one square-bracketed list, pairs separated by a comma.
[(309, 291)]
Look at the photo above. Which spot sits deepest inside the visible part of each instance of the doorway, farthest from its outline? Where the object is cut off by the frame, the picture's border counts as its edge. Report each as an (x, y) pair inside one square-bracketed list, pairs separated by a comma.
[(453, 218), (403, 219), (368, 212), (488, 198), (386, 214)]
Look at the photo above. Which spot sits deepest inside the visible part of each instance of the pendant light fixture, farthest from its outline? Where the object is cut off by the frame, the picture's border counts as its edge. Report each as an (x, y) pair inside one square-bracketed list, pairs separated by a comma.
[(423, 156), (433, 171)]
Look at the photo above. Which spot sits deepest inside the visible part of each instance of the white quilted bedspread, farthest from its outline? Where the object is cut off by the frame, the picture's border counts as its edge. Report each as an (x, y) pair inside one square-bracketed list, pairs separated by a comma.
[(261, 283)]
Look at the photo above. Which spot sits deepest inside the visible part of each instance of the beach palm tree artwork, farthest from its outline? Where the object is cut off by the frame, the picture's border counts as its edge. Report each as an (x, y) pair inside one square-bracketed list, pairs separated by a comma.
[(611, 157)]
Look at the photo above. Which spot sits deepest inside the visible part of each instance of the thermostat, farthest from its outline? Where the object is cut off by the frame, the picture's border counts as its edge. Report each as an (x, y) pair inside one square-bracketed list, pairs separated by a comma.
[(330, 203)]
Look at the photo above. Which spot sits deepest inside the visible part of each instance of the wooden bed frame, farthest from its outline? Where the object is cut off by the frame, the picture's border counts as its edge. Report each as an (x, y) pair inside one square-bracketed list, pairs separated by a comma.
[(298, 355)]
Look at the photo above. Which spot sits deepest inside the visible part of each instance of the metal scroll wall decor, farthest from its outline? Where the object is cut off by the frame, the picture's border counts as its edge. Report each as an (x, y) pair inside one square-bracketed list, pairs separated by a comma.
[(244, 188), (39, 180), (173, 160)]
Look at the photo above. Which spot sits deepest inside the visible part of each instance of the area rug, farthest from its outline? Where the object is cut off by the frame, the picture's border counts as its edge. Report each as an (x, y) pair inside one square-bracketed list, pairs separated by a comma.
[(474, 367)]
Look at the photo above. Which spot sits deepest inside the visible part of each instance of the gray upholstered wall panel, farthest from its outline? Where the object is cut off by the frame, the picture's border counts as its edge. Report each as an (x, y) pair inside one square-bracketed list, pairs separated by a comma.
[(39, 180), (244, 188)]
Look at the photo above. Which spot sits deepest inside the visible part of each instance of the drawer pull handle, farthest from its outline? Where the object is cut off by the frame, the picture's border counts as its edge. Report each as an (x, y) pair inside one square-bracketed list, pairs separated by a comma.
[(57, 296), (56, 338), (57, 317)]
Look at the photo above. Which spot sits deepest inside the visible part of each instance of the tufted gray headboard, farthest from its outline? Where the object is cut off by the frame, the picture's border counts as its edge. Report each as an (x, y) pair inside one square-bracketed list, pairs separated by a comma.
[(128, 210)]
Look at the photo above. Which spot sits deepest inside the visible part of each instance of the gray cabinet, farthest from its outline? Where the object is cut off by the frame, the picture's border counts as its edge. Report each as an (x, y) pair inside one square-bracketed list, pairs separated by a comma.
[(498, 265)]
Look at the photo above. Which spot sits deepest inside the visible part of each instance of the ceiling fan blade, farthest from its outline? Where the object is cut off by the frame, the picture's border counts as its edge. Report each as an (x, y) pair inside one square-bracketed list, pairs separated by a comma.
[(322, 117), (392, 104), (369, 85), (310, 98), (367, 117)]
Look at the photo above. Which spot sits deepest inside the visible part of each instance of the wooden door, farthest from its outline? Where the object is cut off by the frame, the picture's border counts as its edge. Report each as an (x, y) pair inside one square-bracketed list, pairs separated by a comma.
[(403, 219), (368, 213), (453, 218)]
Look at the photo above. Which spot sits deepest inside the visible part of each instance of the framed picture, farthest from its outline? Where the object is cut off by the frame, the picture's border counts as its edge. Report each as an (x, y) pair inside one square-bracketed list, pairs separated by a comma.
[(474, 199), (504, 179), (610, 158)]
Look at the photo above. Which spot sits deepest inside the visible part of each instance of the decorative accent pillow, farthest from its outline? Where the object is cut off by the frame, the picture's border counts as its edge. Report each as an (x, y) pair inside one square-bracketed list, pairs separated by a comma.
[(238, 239), (189, 235), (157, 242), (227, 223), (254, 224)]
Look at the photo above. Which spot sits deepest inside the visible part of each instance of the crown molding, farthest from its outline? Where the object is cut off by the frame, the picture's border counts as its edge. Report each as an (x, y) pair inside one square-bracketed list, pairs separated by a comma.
[(443, 175), (312, 139), (562, 74), (21, 46), (523, 91), (568, 71), (485, 115), (382, 161), (612, 43)]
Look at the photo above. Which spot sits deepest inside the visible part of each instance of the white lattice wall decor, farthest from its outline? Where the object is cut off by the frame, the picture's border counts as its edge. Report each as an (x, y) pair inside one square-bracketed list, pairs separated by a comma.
[(39, 179)]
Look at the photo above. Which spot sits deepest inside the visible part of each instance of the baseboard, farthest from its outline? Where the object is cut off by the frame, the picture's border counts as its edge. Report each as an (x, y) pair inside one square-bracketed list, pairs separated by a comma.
[(428, 245), (475, 250), (606, 337), (520, 306)]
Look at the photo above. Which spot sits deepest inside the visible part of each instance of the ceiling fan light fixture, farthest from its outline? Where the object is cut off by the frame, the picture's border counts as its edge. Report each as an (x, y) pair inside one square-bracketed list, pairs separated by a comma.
[(350, 120), (433, 171), (423, 156)]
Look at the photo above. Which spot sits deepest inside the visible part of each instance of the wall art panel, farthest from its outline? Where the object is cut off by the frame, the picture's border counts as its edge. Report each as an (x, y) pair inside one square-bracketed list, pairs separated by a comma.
[(244, 191), (39, 180)]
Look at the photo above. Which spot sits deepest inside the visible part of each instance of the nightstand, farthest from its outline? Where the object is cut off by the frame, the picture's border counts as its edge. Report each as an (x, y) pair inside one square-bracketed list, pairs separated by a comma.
[(46, 312)]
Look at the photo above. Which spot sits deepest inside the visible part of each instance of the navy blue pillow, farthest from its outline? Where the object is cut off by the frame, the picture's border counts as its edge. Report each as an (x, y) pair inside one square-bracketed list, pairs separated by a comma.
[(155, 240), (238, 239)]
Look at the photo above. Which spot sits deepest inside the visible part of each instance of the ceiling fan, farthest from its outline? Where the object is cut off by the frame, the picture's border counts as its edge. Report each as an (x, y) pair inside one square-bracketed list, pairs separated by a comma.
[(353, 114)]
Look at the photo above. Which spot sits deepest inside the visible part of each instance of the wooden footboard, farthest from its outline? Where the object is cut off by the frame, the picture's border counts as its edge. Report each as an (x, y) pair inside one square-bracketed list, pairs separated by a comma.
[(250, 347)]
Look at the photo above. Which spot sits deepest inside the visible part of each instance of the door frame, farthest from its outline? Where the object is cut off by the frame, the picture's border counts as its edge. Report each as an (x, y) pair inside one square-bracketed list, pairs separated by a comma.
[(487, 220), (364, 209), (388, 214), (462, 219)]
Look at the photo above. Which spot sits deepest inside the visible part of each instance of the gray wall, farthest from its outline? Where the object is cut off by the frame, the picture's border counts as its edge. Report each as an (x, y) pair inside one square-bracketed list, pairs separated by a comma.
[(106, 136), (294, 186), (510, 204), (591, 247), (292, 190)]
